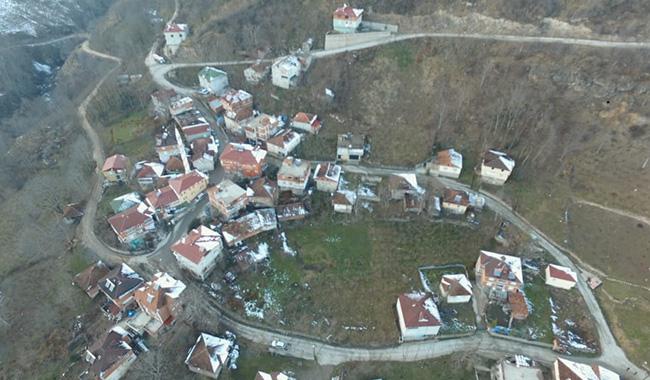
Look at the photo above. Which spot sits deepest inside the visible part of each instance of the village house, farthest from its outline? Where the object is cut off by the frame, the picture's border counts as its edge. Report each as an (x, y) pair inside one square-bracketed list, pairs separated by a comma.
[(413, 203), (286, 72), (161, 99), (517, 368), (306, 122), (194, 125), (560, 277), (262, 192), (243, 160), (294, 175), (291, 211), (272, 376), (517, 305), (116, 168), (228, 199), (180, 105), (125, 201), (446, 163), (132, 225), (148, 173), (434, 206), (565, 369), (346, 19), (350, 148), (327, 176), (119, 286), (204, 153), (261, 127), (188, 186), (456, 288), (496, 167), (111, 357), (257, 72), (89, 278), (455, 201), (209, 355), (73, 212), (499, 273), (198, 251), (163, 201), (418, 316), (401, 184), (168, 143), (174, 167), (158, 299), (343, 201), (214, 80), (249, 225), (237, 107), (175, 34), (282, 144)]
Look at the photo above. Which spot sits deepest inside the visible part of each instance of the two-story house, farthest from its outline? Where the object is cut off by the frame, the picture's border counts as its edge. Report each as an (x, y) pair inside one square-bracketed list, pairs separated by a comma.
[(261, 127), (188, 186), (214, 80), (175, 34), (262, 192), (112, 356), (133, 224), (455, 201), (282, 144), (306, 122), (243, 160), (294, 175), (496, 167), (499, 273), (119, 286), (346, 19), (116, 168), (418, 316), (228, 199), (350, 148), (237, 106), (198, 251), (327, 176), (158, 299), (286, 72)]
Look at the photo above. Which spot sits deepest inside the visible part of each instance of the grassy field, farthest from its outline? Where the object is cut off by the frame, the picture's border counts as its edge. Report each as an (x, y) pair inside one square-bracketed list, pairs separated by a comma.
[(131, 136), (346, 276), (457, 317), (457, 368)]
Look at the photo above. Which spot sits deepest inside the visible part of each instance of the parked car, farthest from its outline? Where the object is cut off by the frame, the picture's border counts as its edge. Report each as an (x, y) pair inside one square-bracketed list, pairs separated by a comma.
[(203, 91), (280, 345)]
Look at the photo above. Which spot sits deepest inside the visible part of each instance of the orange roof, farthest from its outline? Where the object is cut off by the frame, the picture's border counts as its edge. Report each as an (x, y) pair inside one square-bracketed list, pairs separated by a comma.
[(186, 181), (419, 310), (128, 219), (115, 162)]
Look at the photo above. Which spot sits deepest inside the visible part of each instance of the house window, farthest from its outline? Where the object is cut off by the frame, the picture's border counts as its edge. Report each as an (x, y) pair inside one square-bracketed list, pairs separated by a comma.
[(354, 157)]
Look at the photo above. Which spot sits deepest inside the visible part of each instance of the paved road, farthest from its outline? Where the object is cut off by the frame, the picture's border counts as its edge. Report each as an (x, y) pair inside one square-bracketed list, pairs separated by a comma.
[(301, 347)]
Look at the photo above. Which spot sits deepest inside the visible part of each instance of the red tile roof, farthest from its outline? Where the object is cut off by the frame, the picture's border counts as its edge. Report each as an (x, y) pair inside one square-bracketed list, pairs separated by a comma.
[(162, 197), (241, 153), (560, 273), (128, 219), (115, 162), (189, 247), (174, 28), (458, 197), (186, 181), (347, 12), (418, 310)]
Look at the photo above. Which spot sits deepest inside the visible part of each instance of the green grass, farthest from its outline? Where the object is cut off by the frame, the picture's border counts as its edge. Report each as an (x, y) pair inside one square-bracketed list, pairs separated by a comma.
[(77, 261), (132, 136), (252, 360), (539, 319), (442, 368), (400, 53), (104, 207)]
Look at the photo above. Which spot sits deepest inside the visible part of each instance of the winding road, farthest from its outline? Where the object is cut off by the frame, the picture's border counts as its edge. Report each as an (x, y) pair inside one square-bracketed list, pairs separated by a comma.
[(316, 349)]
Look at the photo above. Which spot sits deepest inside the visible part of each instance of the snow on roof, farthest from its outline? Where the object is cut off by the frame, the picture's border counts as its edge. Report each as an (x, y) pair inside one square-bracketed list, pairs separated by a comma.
[(226, 192), (347, 11), (497, 159), (211, 73), (419, 310), (513, 262), (288, 63), (587, 372), (217, 349), (459, 279), (132, 197), (562, 273), (173, 286), (175, 28), (412, 180), (327, 171), (197, 243), (450, 157)]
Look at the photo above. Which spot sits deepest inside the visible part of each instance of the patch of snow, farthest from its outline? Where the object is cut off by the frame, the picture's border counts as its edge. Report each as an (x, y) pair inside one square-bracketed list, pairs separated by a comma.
[(261, 253), (251, 310), (285, 246), (42, 68)]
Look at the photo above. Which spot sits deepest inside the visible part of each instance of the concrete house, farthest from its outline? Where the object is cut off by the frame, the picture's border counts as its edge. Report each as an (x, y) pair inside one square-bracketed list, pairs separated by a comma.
[(111, 357), (446, 163), (327, 177), (455, 201), (418, 316), (148, 173), (161, 99), (119, 286), (499, 272), (132, 225), (243, 160), (88, 279), (237, 107), (158, 299), (561, 277), (194, 125), (294, 175), (496, 167), (291, 211), (517, 368), (262, 193), (257, 72), (180, 105), (228, 199), (174, 167), (198, 251), (209, 355), (518, 306), (163, 201), (456, 288), (282, 144), (306, 122), (188, 186), (249, 225), (286, 72), (125, 201), (272, 376), (350, 148), (169, 144), (214, 80), (565, 369), (346, 19), (116, 168), (343, 201), (404, 183), (175, 34), (204, 154)]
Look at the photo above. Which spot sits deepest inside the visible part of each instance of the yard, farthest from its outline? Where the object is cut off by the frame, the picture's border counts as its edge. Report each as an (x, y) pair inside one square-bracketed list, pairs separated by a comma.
[(132, 136), (448, 368), (345, 278)]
